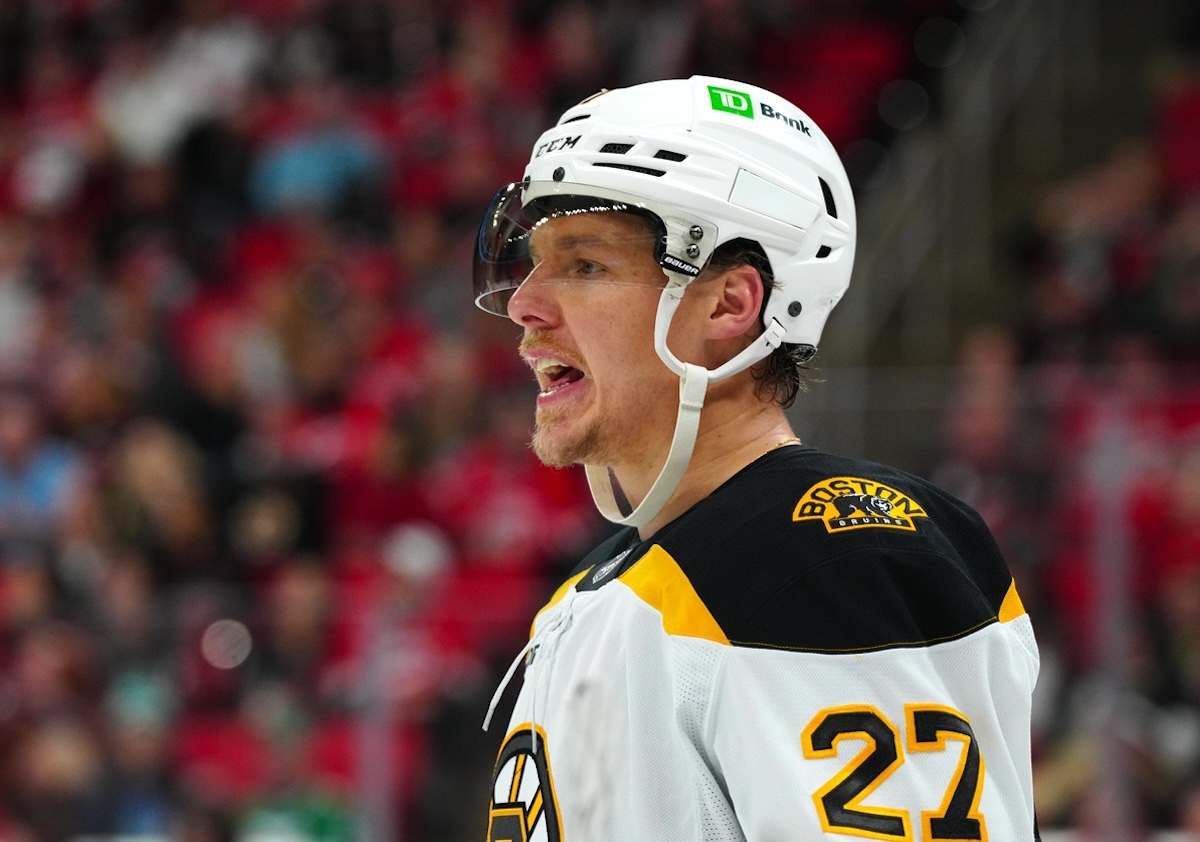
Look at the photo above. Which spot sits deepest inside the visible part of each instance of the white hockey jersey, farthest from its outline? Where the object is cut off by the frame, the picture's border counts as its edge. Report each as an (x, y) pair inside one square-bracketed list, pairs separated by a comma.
[(822, 649)]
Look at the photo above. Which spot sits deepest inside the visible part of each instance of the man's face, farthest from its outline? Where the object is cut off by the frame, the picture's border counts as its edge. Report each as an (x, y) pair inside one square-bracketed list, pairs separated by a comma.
[(588, 309)]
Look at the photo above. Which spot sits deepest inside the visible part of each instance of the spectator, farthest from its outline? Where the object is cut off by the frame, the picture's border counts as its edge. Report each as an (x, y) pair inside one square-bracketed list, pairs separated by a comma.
[(139, 795), (21, 305), (322, 160), (38, 476), (151, 92)]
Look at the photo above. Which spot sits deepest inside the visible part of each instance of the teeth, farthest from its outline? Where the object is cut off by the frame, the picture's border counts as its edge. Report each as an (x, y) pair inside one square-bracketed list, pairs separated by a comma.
[(551, 367)]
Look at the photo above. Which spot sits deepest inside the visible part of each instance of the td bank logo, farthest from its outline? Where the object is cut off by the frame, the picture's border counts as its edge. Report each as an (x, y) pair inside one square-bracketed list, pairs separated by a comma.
[(735, 102)]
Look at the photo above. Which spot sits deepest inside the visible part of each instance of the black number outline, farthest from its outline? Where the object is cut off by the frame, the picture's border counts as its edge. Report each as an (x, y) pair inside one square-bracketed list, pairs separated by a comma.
[(958, 819), (839, 801)]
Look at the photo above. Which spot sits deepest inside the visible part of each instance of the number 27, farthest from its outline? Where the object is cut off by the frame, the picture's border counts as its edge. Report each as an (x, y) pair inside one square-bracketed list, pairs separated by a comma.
[(928, 726)]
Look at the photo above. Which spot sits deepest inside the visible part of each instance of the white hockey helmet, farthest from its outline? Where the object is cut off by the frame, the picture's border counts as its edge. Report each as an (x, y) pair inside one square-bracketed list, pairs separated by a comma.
[(714, 160), (709, 161)]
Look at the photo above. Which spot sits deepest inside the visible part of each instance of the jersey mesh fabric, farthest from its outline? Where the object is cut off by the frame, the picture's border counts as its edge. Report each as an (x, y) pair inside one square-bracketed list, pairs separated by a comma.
[(695, 662)]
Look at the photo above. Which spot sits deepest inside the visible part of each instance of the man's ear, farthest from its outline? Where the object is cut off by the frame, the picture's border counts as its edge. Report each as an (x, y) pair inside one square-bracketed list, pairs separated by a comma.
[(736, 302)]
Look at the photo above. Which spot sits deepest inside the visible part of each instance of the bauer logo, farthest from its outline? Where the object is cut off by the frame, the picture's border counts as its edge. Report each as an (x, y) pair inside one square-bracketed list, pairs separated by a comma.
[(735, 102), (672, 262), (843, 503)]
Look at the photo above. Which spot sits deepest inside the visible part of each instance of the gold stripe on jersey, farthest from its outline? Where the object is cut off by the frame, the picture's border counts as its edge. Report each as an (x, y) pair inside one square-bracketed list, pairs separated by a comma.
[(1012, 607), (518, 774), (658, 581)]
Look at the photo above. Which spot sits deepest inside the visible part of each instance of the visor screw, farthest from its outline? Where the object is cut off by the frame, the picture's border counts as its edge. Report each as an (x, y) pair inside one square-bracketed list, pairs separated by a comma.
[(697, 232), (794, 308), (693, 250), (559, 174)]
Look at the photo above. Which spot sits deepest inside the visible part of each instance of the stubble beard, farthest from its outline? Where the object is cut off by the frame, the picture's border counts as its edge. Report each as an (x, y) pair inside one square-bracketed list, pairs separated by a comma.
[(556, 451)]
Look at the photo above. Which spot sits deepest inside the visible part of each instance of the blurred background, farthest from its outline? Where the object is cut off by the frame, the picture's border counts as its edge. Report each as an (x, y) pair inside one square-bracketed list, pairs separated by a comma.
[(269, 527)]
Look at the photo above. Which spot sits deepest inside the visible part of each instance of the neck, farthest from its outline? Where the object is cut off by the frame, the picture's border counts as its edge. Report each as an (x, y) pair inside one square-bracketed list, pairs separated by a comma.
[(725, 445)]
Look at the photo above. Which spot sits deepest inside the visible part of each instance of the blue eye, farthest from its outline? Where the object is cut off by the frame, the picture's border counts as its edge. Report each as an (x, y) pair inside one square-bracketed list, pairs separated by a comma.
[(587, 267)]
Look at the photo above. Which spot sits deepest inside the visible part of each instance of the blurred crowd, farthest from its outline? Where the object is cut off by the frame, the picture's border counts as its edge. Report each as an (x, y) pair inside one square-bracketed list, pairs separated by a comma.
[(268, 519), (1075, 430)]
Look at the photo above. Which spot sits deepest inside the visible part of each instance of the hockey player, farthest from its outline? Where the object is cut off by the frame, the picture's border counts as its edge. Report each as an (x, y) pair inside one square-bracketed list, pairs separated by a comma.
[(780, 644)]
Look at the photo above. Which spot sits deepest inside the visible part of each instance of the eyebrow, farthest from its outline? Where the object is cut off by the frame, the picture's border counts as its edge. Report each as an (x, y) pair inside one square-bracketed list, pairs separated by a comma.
[(588, 239), (575, 241), (578, 240)]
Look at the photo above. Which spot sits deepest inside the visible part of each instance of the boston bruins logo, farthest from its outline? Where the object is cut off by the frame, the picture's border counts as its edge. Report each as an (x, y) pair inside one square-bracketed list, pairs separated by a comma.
[(855, 503), (524, 807)]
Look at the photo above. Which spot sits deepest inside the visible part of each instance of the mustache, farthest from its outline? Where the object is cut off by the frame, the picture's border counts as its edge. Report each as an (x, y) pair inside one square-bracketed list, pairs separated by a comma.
[(533, 342)]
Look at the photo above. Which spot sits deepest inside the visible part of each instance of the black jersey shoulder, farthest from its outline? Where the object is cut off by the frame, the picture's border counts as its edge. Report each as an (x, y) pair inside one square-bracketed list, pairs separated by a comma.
[(608, 559), (811, 551)]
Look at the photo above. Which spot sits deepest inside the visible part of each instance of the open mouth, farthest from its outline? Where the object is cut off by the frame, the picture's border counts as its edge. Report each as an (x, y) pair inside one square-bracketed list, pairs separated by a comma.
[(554, 375)]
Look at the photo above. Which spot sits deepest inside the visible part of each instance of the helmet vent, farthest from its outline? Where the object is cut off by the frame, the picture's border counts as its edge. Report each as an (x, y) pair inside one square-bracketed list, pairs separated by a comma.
[(824, 251), (575, 119), (830, 207), (632, 168), (616, 148), (668, 155)]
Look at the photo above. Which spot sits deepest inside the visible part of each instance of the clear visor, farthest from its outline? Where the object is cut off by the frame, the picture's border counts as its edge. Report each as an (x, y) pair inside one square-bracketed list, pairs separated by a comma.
[(502, 258)]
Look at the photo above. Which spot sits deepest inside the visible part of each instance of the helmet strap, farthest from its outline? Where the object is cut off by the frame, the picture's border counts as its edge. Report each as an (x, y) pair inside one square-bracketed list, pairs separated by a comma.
[(693, 385)]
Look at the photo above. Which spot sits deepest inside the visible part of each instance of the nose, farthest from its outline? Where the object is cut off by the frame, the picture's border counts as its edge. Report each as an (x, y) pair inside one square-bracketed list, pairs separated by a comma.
[(532, 303)]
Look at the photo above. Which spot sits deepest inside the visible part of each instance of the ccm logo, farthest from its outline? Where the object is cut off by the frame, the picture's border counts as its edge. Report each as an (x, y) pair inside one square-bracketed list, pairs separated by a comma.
[(556, 145)]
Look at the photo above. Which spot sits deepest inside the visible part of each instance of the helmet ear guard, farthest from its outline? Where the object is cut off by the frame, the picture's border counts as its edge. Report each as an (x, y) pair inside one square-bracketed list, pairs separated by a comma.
[(803, 316)]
